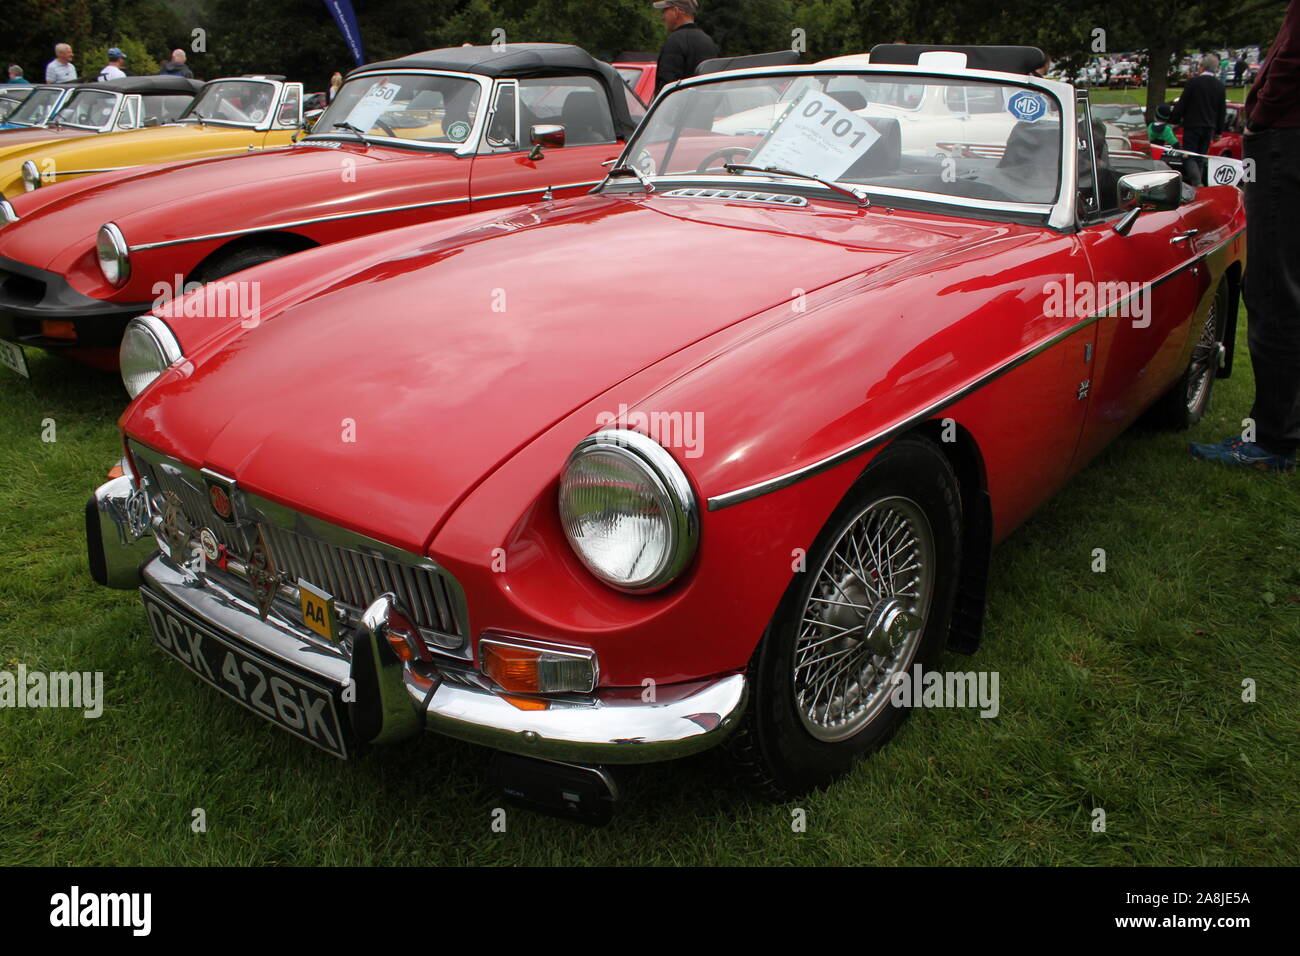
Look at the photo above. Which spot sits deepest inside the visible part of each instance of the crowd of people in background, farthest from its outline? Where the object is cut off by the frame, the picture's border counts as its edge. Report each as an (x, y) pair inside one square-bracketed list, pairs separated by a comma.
[(1237, 67), (61, 69)]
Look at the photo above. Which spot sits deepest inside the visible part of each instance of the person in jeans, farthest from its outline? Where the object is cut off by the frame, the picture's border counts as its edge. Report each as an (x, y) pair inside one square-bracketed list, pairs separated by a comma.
[(1272, 287), (1202, 112)]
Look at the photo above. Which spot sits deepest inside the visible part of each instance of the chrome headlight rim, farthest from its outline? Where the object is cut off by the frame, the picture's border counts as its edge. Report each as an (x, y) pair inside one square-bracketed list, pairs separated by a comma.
[(111, 236), (31, 176), (7, 214), (668, 477), (160, 336)]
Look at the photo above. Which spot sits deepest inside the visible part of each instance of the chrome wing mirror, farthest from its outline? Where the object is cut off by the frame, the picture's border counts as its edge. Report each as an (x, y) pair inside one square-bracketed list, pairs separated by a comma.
[(552, 137), (1155, 191)]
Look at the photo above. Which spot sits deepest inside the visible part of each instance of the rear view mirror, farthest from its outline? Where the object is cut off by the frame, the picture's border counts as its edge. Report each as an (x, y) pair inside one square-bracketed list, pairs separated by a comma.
[(1155, 191)]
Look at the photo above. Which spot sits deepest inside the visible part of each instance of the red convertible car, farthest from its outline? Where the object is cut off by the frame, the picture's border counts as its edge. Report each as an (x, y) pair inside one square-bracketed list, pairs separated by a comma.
[(496, 479), (433, 135)]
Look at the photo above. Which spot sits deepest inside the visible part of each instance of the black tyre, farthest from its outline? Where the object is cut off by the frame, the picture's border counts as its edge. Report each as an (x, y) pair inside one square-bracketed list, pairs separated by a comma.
[(874, 600), (236, 260), (1187, 399)]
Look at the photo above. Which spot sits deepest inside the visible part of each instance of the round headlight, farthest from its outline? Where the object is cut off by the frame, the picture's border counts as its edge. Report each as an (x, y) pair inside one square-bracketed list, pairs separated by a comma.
[(7, 214), (628, 510), (148, 348), (31, 176), (113, 254)]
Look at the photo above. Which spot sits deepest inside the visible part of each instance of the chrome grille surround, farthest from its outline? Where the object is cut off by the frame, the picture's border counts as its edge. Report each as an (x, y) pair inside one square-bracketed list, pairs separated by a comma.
[(353, 568), (743, 195)]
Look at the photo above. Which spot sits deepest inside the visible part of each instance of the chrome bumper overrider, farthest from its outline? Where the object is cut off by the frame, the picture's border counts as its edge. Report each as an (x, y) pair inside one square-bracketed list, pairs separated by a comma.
[(395, 699)]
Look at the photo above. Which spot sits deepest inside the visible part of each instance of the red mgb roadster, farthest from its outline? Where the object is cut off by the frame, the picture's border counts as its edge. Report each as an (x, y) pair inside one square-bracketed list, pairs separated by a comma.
[(716, 453), (437, 134)]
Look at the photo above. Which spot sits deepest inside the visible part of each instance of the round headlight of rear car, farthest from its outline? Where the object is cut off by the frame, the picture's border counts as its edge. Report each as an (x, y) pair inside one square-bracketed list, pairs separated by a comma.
[(31, 176), (148, 348), (628, 510), (113, 255)]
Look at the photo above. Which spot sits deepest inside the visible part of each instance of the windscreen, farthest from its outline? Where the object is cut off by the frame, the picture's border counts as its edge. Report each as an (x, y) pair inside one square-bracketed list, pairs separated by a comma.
[(974, 140), (421, 107)]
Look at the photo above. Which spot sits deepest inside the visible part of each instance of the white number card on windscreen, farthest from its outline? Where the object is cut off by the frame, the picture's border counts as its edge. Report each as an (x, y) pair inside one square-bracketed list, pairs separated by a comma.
[(370, 107), (818, 135)]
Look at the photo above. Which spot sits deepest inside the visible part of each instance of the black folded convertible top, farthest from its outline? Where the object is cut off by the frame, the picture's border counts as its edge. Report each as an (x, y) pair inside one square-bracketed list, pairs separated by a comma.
[(167, 83), (519, 60), (1003, 59)]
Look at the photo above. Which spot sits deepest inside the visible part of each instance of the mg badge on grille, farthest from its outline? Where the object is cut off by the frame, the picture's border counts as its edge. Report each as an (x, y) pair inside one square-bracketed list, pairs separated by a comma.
[(220, 502), (263, 574)]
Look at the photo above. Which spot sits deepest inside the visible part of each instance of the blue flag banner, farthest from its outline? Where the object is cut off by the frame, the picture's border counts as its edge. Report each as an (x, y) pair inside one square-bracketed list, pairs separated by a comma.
[(347, 21)]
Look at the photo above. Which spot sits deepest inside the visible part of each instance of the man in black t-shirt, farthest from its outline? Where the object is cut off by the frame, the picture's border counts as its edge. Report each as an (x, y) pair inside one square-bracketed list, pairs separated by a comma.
[(687, 45)]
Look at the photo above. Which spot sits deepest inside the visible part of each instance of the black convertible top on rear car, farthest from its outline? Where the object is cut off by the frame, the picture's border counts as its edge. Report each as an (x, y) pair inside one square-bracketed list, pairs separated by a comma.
[(148, 84), (518, 60)]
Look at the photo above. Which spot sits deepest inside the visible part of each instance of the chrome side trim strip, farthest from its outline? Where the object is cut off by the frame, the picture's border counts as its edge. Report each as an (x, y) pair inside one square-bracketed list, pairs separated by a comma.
[(298, 223), (718, 502), (86, 172)]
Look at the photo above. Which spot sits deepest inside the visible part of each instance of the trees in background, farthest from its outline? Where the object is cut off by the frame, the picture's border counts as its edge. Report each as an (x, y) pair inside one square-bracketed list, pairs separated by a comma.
[(298, 37)]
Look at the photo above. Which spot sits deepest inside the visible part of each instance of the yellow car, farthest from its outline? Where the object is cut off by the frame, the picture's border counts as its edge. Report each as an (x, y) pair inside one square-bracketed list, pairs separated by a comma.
[(232, 115)]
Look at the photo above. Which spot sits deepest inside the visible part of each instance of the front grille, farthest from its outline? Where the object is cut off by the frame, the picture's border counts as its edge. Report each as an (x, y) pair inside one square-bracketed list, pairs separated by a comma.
[(354, 576)]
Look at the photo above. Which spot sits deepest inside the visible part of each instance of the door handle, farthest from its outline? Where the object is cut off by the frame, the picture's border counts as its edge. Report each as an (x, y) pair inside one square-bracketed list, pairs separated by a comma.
[(1184, 236)]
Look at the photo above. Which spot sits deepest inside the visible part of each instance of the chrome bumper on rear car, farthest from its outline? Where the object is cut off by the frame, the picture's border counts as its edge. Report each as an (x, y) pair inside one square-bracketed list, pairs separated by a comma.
[(391, 698)]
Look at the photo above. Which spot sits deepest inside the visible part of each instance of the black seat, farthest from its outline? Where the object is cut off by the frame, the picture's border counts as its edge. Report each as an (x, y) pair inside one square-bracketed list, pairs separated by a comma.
[(585, 119)]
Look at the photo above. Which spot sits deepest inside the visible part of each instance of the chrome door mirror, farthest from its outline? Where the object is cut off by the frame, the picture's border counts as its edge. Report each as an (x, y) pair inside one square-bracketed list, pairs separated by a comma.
[(1155, 191), (550, 136)]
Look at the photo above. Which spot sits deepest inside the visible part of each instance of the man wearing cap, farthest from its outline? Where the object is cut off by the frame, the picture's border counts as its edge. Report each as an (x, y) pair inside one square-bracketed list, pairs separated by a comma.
[(113, 71), (60, 69), (687, 45)]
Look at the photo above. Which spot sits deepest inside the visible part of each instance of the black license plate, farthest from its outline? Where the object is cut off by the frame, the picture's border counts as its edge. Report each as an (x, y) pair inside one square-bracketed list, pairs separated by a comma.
[(305, 709)]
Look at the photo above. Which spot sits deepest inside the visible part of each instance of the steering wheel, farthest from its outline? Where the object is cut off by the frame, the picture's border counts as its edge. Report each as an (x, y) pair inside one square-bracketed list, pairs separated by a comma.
[(385, 127), (719, 154)]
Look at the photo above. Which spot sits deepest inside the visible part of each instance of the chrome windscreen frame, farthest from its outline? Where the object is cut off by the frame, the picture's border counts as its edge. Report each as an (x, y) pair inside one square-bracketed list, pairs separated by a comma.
[(1060, 214), (467, 148)]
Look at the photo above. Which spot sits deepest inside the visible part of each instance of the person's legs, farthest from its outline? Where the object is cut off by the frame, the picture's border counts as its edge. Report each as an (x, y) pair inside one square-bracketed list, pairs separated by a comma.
[(1272, 296), (1197, 139), (1273, 287)]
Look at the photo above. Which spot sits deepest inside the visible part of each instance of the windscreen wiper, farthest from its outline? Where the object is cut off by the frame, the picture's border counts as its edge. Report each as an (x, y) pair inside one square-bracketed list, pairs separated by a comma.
[(626, 170), (858, 196), (352, 129)]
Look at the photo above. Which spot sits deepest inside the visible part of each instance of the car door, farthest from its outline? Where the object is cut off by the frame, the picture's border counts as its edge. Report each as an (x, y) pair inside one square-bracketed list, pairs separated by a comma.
[(1147, 278), (508, 172), (286, 117)]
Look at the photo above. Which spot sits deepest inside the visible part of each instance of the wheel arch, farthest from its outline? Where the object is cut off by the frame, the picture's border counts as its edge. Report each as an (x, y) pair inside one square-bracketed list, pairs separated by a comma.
[(963, 453), (1234, 275), (290, 242)]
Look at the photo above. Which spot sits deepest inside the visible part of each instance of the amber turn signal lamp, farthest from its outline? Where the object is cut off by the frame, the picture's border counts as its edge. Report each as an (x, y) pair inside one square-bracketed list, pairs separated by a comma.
[(521, 669)]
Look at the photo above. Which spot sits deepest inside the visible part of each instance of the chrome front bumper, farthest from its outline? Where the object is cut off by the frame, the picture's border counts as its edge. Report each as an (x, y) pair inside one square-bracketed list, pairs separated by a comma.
[(395, 699)]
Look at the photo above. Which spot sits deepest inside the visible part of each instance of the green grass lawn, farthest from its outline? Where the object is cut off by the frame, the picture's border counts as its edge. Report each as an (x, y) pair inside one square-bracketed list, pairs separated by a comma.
[(1119, 690)]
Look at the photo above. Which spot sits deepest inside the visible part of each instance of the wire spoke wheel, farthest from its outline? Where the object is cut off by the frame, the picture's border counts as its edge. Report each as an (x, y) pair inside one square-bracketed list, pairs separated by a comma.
[(1205, 359), (864, 618)]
